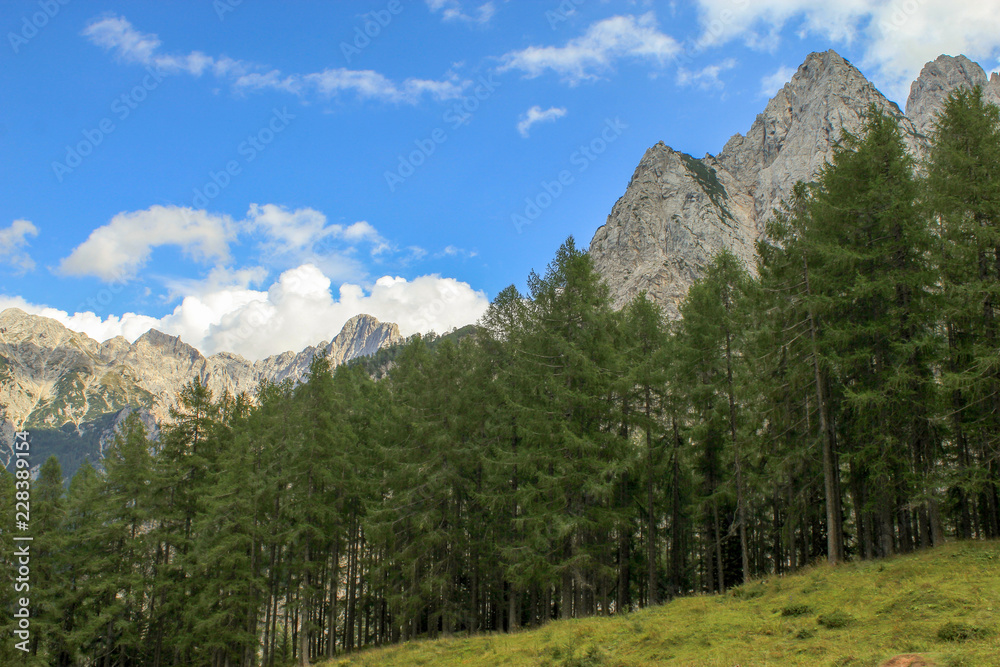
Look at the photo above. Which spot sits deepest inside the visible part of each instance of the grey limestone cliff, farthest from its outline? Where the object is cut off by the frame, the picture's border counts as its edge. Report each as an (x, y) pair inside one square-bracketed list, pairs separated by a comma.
[(678, 211), (50, 375)]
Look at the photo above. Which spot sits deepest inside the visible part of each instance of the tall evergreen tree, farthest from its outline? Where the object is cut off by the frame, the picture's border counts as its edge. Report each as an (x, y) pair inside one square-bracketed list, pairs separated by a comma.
[(868, 244), (963, 191)]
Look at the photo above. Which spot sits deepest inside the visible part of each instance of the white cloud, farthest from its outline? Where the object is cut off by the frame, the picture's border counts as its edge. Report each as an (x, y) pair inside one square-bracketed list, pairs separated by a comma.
[(536, 115), (13, 244), (285, 238), (368, 84), (897, 38), (772, 83), (303, 236), (452, 10), (707, 77), (299, 309), (454, 251), (115, 251), (116, 34), (596, 51), (219, 278)]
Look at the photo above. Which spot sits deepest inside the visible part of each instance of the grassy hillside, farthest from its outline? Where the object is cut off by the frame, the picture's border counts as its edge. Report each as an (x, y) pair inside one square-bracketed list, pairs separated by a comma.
[(942, 603)]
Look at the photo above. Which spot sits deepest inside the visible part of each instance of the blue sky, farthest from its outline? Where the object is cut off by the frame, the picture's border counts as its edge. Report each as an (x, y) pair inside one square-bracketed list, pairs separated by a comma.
[(248, 175)]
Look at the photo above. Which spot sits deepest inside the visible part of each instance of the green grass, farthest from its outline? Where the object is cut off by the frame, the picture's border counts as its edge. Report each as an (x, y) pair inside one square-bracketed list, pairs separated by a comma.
[(942, 603)]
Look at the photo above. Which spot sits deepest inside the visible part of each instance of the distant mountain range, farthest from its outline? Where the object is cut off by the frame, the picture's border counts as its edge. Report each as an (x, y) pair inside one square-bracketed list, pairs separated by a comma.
[(57, 381)]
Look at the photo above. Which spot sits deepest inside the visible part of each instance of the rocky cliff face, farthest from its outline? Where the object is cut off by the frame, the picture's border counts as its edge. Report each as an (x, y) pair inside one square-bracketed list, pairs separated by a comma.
[(678, 211), (675, 214), (50, 375), (937, 79)]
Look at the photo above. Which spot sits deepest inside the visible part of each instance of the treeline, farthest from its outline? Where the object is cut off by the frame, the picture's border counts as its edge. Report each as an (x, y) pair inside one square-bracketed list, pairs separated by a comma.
[(841, 401)]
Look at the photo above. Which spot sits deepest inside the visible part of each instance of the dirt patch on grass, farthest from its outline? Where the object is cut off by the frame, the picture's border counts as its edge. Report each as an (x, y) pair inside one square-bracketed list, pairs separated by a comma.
[(909, 660)]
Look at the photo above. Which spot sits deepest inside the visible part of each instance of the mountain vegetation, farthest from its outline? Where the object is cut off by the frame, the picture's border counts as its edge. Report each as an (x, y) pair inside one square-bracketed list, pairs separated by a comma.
[(930, 608), (839, 401)]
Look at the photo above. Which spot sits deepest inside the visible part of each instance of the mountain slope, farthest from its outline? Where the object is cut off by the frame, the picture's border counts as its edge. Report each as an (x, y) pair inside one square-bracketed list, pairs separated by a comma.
[(854, 614), (679, 211), (51, 376)]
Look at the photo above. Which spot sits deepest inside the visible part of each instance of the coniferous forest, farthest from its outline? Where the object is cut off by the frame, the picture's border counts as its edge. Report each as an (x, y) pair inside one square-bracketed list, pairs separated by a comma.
[(840, 401)]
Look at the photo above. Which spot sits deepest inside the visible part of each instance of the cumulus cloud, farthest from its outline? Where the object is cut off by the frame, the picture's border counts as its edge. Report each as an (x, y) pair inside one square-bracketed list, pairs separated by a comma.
[(897, 38), (453, 10), (299, 309), (536, 115), (597, 50), (772, 83), (118, 36), (115, 251), (236, 309), (13, 244), (304, 236), (707, 77), (284, 237)]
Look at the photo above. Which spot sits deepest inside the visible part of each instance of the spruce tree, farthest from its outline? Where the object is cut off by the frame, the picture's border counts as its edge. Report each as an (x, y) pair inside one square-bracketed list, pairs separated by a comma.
[(868, 245), (963, 192)]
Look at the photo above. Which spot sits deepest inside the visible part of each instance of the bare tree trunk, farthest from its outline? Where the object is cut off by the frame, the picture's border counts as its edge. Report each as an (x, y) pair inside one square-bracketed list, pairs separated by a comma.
[(834, 527)]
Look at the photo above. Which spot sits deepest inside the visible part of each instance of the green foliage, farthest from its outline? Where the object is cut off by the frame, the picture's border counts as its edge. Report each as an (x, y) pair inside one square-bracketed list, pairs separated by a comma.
[(835, 619), (796, 610), (708, 179), (955, 631)]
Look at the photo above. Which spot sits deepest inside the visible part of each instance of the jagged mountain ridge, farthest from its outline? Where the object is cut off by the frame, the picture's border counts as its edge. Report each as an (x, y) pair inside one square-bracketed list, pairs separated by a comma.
[(50, 375), (679, 211)]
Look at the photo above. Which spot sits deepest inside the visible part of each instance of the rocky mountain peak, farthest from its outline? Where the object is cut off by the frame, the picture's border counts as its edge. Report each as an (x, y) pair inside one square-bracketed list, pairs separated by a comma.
[(678, 212), (363, 335), (50, 375), (937, 80), (19, 327), (794, 136)]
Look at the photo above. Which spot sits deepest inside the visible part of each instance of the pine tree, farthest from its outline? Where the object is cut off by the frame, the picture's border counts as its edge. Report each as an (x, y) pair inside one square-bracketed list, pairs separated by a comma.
[(788, 331), (709, 349), (963, 191), (867, 244), (644, 334), (183, 474), (574, 461), (125, 558), (83, 593)]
